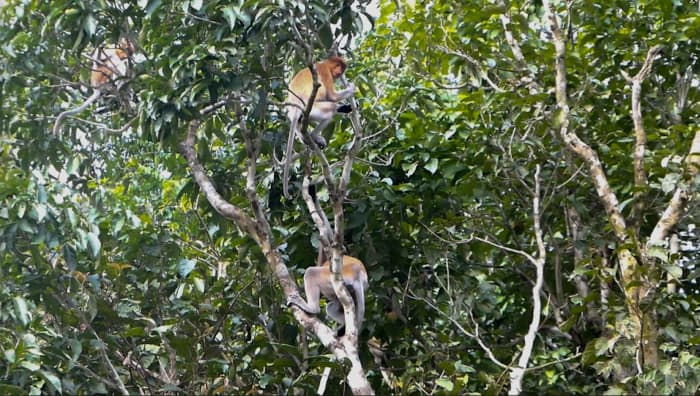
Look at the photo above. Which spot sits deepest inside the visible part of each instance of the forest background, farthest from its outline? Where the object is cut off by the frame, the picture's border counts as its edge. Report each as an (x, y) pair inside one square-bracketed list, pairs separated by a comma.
[(520, 179)]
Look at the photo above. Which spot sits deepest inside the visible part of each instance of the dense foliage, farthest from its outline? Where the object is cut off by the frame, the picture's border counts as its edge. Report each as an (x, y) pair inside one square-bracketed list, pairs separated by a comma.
[(118, 276)]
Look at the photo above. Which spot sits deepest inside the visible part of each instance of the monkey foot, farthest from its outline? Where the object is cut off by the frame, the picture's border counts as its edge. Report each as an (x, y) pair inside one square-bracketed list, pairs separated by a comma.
[(320, 141), (291, 300)]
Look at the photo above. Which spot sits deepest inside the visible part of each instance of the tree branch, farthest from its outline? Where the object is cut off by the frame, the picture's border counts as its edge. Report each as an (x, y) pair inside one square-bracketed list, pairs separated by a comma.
[(680, 198), (517, 373), (640, 176), (644, 323)]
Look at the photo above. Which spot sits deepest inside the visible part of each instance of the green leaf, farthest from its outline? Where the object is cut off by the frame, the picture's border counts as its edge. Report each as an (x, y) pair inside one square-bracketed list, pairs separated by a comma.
[(230, 16), (432, 165), (76, 348), (410, 168), (184, 267), (70, 257), (38, 212), (446, 384), (658, 251), (152, 6), (90, 25), (31, 366), (21, 311), (52, 379), (162, 329), (94, 244), (199, 284), (675, 271)]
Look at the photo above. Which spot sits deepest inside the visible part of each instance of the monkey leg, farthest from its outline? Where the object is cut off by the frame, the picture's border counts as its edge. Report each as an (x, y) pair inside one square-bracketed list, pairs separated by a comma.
[(316, 133), (301, 303), (313, 277), (335, 310)]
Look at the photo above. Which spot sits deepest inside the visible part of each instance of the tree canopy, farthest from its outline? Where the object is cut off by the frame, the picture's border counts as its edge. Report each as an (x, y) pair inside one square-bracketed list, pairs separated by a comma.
[(520, 179)]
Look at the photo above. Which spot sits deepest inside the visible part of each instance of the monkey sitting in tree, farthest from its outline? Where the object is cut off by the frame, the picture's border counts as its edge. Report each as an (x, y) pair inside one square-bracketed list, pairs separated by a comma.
[(108, 65), (317, 282), (325, 104)]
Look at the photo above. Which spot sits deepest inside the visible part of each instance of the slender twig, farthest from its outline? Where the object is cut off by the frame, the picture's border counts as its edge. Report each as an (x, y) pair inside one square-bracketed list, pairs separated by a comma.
[(459, 326), (517, 373)]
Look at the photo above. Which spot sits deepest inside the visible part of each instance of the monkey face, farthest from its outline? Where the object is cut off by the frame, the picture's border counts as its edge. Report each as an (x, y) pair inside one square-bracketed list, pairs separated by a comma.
[(337, 70)]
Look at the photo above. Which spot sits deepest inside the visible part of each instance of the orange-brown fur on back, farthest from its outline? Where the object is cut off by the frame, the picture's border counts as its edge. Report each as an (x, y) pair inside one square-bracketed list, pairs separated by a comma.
[(325, 105), (317, 282), (107, 65), (302, 83), (108, 62), (353, 269)]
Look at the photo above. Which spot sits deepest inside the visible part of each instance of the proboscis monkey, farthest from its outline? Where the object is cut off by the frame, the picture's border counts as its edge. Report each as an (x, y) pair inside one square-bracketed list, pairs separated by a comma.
[(317, 282), (325, 104), (108, 64)]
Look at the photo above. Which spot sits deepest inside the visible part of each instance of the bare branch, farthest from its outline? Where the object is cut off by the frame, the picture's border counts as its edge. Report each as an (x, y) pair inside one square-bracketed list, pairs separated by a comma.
[(645, 331), (575, 144), (681, 196), (104, 128), (474, 335), (226, 209), (517, 373), (506, 248), (59, 120), (640, 177), (317, 214), (474, 63)]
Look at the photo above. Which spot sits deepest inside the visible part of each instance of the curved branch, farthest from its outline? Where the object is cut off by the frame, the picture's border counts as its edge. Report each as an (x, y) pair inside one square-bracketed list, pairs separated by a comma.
[(57, 124), (225, 208)]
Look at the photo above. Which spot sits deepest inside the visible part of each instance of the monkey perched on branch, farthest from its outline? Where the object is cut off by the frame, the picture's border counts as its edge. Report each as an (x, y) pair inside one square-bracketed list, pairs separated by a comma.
[(317, 282), (325, 104), (108, 65)]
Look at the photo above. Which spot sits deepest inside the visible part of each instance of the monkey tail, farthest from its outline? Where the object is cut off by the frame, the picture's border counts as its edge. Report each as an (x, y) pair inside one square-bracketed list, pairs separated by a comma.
[(288, 156), (57, 125), (364, 280)]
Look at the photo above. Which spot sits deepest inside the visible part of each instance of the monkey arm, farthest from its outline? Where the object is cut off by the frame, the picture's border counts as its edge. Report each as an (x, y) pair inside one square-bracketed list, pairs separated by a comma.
[(333, 96)]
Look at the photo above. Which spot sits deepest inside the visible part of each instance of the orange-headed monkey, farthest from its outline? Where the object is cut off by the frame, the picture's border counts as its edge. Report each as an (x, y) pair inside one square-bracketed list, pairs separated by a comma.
[(325, 104), (317, 282), (108, 65)]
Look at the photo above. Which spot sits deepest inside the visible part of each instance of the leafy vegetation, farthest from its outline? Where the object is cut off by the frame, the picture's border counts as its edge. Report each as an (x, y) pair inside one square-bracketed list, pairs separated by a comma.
[(471, 188)]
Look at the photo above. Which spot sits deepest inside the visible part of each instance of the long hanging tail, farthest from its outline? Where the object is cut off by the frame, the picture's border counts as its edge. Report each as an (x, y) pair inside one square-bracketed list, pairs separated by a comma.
[(57, 125), (288, 156)]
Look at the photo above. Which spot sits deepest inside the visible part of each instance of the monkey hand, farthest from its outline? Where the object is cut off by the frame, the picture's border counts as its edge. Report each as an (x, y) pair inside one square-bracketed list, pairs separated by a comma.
[(351, 89)]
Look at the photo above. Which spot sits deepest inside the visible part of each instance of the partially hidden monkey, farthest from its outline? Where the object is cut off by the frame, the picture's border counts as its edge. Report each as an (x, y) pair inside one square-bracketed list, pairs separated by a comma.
[(108, 64), (317, 282), (325, 104)]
